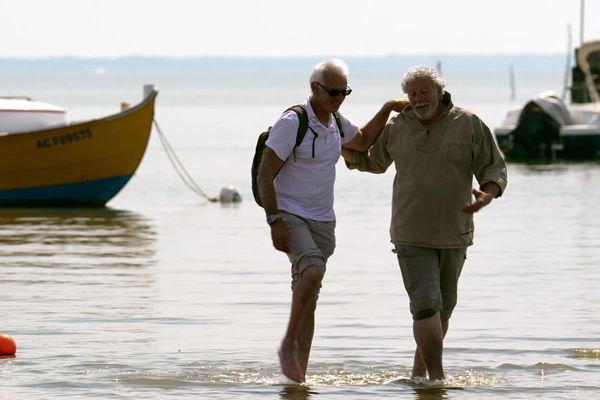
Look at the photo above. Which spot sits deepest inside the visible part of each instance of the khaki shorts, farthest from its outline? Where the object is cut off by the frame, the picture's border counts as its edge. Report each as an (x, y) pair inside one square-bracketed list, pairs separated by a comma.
[(431, 278), (313, 243)]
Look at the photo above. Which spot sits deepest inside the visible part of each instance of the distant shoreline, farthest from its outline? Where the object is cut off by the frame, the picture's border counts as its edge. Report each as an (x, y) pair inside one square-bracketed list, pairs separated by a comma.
[(492, 63)]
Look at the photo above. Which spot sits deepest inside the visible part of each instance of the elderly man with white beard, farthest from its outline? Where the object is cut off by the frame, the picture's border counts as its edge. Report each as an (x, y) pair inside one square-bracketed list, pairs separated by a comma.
[(436, 148)]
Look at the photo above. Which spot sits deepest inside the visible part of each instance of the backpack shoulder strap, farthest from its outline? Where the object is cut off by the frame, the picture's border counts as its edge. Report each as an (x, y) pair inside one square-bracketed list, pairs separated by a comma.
[(303, 126), (338, 121)]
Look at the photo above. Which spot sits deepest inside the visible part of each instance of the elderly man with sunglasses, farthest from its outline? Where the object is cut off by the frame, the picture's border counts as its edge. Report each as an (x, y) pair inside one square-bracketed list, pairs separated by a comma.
[(296, 188)]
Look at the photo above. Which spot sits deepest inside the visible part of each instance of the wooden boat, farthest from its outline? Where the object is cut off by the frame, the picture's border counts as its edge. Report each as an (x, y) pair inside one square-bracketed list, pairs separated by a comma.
[(78, 164)]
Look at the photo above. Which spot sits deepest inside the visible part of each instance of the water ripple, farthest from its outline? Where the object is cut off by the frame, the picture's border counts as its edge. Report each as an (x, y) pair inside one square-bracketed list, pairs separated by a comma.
[(593, 354)]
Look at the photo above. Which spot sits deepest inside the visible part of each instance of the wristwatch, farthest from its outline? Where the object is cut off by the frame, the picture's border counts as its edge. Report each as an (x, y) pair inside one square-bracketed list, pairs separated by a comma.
[(271, 218)]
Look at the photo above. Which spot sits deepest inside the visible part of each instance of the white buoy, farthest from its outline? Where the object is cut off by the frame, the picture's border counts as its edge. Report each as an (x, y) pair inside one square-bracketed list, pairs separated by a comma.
[(230, 194)]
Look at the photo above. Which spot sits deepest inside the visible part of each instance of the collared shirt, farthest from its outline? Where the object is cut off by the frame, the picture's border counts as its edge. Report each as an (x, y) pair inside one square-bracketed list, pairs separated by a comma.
[(304, 185), (435, 166)]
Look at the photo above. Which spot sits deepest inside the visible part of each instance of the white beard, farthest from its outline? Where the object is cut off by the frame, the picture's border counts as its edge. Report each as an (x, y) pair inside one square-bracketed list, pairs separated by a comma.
[(427, 113)]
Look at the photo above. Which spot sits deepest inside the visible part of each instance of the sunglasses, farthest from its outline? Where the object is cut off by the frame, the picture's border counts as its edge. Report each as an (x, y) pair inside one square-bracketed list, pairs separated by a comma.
[(336, 92)]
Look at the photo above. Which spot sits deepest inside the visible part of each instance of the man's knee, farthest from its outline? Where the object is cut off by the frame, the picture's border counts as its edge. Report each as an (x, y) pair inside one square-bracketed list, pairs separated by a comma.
[(314, 274), (310, 281), (424, 314)]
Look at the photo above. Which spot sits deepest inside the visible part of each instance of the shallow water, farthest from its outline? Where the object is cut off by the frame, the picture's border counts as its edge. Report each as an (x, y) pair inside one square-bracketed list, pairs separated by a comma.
[(166, 295)]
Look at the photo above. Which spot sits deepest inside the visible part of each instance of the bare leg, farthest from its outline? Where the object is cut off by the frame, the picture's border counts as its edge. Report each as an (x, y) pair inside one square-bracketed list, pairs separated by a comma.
[(419, 368), (293, 354), (306, 336), (429, 335)]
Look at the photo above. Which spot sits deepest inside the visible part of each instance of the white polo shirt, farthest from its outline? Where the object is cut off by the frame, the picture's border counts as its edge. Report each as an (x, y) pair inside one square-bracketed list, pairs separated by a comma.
[(304, 186)]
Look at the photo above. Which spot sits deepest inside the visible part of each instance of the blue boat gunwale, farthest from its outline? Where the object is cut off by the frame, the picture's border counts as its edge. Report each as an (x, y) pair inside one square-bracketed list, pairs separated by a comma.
[(89, 193)]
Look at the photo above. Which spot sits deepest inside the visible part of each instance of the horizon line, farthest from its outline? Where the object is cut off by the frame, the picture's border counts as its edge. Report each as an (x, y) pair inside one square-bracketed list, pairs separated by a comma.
[(273, 57)]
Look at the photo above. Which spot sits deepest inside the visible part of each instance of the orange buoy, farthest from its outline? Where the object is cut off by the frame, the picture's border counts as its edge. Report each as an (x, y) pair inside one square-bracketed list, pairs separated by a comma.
[(8, 346)]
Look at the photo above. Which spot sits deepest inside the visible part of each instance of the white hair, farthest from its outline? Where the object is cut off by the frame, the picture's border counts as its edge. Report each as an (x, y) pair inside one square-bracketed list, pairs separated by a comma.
[(423, 72), (328, 65)]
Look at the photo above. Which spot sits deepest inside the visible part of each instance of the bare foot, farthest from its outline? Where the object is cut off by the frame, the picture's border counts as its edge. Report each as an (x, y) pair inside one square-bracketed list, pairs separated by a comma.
[(289, 363)]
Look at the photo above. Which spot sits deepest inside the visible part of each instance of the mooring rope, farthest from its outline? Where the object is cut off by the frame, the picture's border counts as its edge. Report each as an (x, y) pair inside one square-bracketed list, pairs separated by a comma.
[(179, 168)]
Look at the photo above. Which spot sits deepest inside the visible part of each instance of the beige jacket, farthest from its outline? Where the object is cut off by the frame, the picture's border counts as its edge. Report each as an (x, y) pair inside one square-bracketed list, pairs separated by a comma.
[(435, 166)]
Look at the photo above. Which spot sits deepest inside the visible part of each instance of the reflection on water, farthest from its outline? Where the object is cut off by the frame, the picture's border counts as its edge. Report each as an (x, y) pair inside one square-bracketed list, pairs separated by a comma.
[(296, 392), (75, 238), (593, 354), (431, 394), (73, 270)]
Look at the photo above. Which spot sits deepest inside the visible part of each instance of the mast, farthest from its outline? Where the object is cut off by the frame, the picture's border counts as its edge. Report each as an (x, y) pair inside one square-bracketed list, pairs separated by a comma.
[(568, 66), (581, 21)]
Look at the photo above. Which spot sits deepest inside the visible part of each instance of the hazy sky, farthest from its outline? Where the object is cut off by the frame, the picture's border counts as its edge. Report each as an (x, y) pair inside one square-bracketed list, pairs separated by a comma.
[(90, 28)]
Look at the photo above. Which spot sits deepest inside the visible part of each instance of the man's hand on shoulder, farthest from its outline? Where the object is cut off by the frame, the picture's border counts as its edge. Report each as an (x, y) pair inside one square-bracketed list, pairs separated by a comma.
[(397, 104)]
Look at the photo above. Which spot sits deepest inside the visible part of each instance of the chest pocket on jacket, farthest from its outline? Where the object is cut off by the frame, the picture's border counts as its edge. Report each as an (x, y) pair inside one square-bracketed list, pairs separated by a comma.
[(459, 154)]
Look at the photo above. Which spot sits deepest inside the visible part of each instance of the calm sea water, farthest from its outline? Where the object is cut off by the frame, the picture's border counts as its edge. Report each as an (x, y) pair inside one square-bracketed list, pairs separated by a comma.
[(165, 295)]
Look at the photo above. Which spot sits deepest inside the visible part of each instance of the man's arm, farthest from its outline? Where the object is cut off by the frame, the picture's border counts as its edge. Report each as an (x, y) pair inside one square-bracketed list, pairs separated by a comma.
[(269, 167), (367, 135), (377, 159)]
